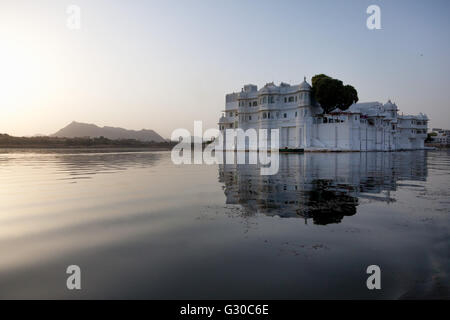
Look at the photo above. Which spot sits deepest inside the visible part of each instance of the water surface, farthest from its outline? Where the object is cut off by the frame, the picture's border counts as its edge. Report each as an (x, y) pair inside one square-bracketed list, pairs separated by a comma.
[(142, 227)]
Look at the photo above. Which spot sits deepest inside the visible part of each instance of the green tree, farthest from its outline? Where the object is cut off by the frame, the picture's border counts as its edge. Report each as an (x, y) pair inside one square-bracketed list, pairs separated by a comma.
[(317, 78), (331, 93), (349, 97), (430, 136)]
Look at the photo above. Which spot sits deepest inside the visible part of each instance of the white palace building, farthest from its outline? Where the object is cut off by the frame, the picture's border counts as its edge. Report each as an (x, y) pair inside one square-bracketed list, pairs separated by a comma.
[(369, 126)]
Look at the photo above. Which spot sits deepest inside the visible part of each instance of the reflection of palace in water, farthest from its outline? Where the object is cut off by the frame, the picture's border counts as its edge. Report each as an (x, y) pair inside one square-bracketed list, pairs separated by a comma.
[(322, 186)]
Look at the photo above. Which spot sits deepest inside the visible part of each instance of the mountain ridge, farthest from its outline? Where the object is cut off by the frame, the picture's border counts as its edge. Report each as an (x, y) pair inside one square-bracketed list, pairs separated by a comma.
[(79, 129)]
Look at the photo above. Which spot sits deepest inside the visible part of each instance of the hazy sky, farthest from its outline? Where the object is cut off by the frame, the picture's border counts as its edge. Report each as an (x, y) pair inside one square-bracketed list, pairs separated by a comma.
[(163, 64)]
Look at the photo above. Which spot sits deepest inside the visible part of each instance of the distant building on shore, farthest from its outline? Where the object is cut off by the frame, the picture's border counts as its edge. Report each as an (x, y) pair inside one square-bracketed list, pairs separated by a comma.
[(442, 136), (370, 126)]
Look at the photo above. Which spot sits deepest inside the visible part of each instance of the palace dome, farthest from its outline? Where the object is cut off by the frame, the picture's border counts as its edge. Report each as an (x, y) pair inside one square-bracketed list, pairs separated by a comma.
[(305, 85), (389, 106)]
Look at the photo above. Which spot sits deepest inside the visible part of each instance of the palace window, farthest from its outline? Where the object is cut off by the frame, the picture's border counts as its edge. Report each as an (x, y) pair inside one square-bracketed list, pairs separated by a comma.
[(249, 117), (285, 99), (264, 115), (255, 103), (285, 115), (291, 99), (296, 114)]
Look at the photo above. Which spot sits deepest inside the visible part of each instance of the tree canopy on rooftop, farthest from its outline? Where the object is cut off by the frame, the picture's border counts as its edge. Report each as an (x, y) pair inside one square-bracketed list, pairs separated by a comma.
[(332, 93)]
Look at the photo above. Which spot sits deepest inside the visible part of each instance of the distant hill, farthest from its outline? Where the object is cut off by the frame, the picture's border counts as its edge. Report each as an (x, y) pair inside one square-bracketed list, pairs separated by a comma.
[(78, 129)]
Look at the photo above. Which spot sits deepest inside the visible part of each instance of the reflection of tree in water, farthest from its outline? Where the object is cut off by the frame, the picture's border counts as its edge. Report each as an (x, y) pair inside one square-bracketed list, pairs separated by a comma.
[(322, 187), (321, 200), (327, 205)]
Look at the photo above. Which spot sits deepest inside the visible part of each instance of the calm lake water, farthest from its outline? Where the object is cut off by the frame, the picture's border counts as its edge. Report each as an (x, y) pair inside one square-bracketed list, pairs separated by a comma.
[(141, 227)]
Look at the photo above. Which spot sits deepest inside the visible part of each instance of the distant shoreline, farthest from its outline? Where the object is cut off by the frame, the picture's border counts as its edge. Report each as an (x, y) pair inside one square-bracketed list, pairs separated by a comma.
[(10, 142), (87, 148), (437, 145), (77, 150)]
